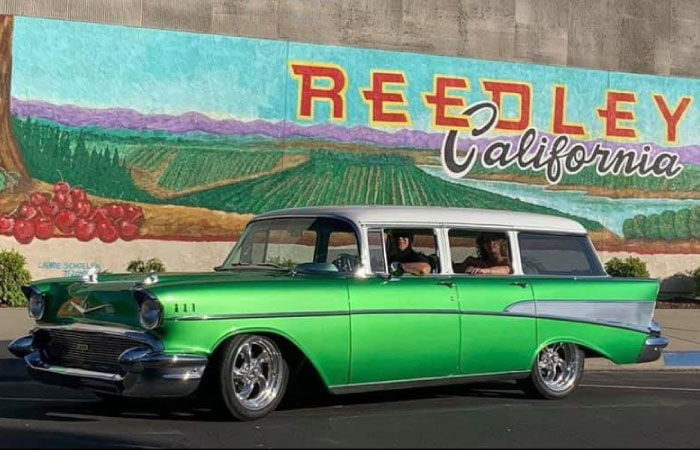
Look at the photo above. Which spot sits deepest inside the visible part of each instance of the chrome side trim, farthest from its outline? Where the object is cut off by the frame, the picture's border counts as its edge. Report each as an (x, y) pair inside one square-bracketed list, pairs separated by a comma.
[(313, 314), (624, 313), (426, 382)]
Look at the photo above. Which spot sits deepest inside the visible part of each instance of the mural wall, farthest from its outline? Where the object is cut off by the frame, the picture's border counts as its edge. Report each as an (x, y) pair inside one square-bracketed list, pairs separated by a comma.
[(119, 142)]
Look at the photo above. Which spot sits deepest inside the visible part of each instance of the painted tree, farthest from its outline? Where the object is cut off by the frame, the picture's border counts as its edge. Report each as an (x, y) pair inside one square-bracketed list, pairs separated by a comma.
[(11, 158)]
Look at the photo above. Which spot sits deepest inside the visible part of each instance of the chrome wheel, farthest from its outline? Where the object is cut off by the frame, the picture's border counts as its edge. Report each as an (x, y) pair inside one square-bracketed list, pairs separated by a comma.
[(559, 366), (256, 375)]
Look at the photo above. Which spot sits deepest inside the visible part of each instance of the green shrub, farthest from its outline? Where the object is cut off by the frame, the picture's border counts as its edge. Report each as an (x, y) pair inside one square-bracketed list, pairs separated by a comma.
[(632, 267), (2, 181), (13, 274), (152, 265), (696, 282)]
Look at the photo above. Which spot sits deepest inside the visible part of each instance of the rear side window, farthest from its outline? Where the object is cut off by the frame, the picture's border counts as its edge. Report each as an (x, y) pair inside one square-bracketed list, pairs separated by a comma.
[(550, 254)]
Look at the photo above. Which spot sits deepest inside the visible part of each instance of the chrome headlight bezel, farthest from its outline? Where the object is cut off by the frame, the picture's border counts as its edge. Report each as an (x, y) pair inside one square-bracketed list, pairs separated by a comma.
[(150, 309), (36, 302)]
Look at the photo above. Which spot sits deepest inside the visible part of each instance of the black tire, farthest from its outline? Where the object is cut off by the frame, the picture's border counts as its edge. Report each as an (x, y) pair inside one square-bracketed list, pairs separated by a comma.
[(536, 386), (226, 385)]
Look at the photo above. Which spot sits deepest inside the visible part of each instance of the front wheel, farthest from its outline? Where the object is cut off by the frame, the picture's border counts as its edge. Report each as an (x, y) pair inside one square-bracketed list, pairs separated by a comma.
[(252, 376), (556, 371)]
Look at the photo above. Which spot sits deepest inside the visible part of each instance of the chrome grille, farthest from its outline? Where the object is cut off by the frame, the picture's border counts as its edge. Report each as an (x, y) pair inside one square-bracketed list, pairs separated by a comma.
[(83, 349)]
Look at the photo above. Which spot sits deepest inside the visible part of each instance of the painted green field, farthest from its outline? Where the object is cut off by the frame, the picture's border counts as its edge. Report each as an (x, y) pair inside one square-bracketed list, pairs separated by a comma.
[(195, 166), (344, 178)]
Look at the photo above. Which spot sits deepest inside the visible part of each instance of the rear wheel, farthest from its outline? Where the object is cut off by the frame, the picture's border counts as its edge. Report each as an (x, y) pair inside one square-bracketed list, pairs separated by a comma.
[(557, 370), (252, 376)]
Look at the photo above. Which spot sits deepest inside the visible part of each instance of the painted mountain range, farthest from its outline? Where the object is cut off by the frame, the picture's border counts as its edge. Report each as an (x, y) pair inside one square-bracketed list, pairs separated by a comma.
[(114, 118)]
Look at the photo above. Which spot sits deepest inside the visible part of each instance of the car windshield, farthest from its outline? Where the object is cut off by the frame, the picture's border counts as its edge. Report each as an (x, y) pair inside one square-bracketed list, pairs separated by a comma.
[(303, 244)]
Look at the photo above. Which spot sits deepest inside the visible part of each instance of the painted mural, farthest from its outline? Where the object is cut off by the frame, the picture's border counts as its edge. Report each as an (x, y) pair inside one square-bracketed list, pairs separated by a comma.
[(112, 134)]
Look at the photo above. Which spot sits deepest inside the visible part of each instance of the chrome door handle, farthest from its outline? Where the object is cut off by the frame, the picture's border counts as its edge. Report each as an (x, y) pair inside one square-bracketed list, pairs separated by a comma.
[(522, 284), (448, 283)]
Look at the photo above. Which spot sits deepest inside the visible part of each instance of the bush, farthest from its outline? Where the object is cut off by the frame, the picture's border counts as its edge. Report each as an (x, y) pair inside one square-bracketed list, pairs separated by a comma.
[(13, 274), (152, 265), (696, 282), (632, 267)]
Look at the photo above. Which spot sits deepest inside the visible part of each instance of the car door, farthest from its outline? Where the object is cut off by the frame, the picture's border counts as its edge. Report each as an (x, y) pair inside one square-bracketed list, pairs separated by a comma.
[(402, 328), (493, 338)]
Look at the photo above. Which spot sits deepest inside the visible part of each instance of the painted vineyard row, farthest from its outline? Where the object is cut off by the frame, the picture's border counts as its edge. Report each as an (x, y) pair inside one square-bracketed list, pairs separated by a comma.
[(194, 167), (337, 178)]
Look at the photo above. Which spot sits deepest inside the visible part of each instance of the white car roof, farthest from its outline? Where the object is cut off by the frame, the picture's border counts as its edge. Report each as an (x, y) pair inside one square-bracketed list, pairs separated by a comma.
[(434, 215)]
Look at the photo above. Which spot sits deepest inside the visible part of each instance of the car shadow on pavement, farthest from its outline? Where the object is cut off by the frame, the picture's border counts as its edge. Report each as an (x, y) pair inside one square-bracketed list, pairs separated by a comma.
[(195, 409), (500, 390)]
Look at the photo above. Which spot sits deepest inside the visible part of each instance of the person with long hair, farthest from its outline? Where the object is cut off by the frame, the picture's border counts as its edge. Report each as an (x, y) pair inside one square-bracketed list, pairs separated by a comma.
[(492, 257)]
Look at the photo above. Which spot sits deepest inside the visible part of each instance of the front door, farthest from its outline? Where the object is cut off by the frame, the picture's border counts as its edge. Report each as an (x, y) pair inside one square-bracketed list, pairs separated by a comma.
[(403, 328), (406, 327)]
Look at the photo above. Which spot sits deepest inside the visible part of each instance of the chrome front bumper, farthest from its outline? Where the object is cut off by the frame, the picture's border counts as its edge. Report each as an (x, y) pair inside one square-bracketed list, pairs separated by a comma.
[(145, 372)]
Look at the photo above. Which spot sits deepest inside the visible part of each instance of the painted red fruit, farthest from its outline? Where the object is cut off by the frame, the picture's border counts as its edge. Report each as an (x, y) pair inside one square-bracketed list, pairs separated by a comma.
[(37, 199), (77, 195), (49, 209), (28, 211), (65, 220), (116, 210), (101, 213), (43, 227), (68, 202), (23, 231), (106, 231), (85, 229), (61, 186), (83, 208), (133, 214), (127, 230), (7, 225)]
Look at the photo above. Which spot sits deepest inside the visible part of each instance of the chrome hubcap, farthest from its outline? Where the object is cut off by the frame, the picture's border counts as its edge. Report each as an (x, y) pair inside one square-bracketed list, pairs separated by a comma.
[(558, 365), (256, 373)]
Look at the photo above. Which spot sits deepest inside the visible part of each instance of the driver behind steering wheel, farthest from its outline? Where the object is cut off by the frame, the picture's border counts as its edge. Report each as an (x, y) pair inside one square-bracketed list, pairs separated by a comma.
[(402, 251)]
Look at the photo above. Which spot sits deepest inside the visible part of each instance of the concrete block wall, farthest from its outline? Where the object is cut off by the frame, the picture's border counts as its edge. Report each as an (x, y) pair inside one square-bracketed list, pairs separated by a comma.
[(643, 36)]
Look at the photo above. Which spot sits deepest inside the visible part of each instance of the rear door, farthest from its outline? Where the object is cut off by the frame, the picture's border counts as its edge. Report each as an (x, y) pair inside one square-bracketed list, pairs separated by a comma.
[(493, 338)]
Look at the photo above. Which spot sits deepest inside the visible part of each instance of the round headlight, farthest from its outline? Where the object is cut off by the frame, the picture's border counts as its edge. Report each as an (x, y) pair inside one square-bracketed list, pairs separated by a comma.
[(36, 304), (150, 311)]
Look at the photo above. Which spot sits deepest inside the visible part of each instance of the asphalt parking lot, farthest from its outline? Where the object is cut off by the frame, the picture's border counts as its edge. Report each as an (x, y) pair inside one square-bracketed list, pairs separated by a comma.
[(610, 409)]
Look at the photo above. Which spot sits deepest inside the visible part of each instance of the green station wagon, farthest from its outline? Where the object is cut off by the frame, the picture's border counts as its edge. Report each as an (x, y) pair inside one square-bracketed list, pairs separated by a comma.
[(365, 298)]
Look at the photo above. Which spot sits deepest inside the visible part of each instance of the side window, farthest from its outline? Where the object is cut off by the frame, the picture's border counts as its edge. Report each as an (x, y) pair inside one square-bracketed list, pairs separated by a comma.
[(480, 252), (415, 248), (550, 254), (375, 238)]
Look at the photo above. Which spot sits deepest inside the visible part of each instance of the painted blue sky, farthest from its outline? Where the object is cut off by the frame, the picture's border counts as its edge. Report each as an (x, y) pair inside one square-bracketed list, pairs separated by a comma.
[(157, 71)]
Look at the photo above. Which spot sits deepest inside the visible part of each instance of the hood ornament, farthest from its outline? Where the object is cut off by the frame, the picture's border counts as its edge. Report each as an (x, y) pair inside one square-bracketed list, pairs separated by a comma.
[(85, 310), (90, 276)]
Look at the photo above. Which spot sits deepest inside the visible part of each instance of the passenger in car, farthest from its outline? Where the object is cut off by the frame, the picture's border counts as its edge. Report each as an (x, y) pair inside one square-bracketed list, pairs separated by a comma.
[(402, 251), (492, 257)]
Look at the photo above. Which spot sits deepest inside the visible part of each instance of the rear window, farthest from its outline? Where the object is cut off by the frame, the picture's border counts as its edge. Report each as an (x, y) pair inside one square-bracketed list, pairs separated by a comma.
[(549, 254)]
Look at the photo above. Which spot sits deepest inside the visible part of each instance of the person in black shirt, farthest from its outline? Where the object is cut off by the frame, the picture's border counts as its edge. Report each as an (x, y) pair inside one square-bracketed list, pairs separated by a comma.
[(402, 251)]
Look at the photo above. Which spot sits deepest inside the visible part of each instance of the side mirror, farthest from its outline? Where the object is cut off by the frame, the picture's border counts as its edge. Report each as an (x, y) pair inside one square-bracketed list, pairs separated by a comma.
[(396, 269)]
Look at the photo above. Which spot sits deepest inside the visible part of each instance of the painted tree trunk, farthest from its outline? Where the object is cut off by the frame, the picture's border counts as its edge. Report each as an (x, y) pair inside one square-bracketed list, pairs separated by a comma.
[(10, 155)]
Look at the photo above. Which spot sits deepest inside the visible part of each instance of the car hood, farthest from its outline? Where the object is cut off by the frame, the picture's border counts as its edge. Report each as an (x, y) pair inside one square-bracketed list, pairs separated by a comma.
[(110, 299)]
